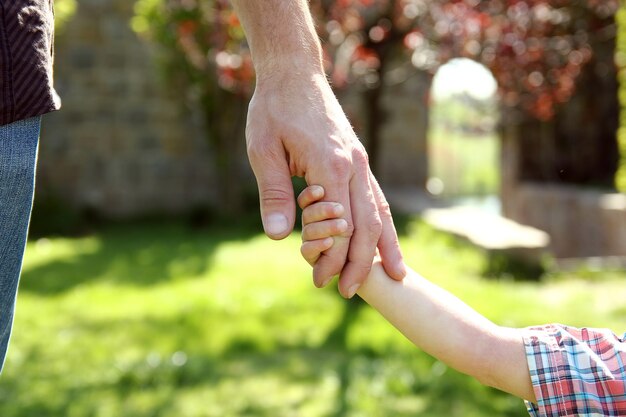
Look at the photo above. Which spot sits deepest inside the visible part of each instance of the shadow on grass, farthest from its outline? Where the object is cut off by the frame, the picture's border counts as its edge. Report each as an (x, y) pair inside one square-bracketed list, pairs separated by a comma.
[(150, 386), (150, 366), (503, 265), (135, 254), (338, 338)]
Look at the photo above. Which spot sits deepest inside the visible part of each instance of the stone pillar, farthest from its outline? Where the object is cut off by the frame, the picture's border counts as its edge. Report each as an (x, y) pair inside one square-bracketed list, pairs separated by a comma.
[(404, 151), (509, 169)]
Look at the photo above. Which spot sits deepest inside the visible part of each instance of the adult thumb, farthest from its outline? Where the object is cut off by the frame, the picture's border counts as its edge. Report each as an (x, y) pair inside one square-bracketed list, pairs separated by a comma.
[(275, 188)]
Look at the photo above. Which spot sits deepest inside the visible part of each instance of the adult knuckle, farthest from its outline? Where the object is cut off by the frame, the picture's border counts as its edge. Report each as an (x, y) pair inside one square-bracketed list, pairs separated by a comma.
[(271, 194), (334, 264), (363, 267), (255, 150), (384, 207), (340, 164), (374, 226), (260, 150), (360, 156), (324, 268), (360, 268)]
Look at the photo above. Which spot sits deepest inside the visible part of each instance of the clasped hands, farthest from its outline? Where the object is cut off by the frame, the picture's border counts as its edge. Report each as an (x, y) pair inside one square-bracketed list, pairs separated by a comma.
[(296, 127)]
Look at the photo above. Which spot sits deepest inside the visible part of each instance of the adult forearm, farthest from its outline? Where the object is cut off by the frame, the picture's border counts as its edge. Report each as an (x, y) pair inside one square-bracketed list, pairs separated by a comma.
[(281, 35), (445, 327)]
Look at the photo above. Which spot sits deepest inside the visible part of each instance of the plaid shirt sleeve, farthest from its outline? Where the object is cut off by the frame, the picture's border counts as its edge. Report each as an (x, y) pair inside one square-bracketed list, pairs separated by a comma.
[(576, 372)]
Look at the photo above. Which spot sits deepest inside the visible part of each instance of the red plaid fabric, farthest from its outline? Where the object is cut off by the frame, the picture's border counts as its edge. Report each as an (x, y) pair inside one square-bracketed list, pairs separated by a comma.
[(576, 372)]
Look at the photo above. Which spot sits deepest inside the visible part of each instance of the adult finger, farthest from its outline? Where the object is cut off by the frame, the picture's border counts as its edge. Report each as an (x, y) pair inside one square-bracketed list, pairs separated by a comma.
[(269, 163), (367, 230), (388, 245), (312, 249)]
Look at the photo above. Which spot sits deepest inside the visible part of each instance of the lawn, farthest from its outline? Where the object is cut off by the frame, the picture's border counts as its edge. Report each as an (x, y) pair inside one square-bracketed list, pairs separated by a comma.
[(161, 320)]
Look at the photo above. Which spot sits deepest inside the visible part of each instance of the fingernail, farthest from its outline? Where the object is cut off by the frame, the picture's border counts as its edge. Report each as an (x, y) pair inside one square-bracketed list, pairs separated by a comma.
[(317, 191), (338, 209), (275, 224), (342, 225), (403, 270), (353, 289), (326, 281)]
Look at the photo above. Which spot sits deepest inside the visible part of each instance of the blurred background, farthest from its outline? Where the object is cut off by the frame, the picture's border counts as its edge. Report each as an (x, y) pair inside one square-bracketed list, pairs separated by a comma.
[(149, 289)]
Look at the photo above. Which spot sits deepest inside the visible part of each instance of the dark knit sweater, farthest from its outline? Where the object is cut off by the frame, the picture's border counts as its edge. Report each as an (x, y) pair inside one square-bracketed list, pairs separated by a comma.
[(26, 38)]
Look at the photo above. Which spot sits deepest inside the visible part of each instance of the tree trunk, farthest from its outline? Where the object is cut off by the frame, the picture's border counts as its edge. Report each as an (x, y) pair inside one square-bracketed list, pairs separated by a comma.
[(374, 123), (226, 120), (374, 113)]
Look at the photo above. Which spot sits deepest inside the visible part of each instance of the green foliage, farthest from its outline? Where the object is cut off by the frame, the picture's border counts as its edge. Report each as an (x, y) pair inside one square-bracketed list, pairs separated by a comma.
[(202, 43), (159, 320), (146, 14), (534, 48), (206, 63), (621, 63), (63, 11)]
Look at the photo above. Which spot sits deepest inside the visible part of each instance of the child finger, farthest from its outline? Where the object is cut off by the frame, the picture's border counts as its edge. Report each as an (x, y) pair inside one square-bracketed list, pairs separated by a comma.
[(324, 229), (312, 249), (322, 210), (309, 195)]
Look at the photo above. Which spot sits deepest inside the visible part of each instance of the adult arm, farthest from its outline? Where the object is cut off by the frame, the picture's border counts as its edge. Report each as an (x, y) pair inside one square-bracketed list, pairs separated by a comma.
[(448, 329), (297, 127)]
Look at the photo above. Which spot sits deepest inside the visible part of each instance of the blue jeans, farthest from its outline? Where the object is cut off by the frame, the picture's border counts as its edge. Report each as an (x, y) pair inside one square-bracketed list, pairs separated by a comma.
[(18, 159)]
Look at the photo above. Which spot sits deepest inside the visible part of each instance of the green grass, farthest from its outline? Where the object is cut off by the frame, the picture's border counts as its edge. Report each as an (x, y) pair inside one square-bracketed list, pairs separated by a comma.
[(160, 320)]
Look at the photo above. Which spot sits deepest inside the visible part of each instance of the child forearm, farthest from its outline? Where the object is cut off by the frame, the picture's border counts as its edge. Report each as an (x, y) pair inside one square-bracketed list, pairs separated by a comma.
[(445, 327)]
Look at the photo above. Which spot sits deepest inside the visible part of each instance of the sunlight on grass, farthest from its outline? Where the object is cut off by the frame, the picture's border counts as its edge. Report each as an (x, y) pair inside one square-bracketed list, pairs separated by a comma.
[(160, 320), (45, 251)]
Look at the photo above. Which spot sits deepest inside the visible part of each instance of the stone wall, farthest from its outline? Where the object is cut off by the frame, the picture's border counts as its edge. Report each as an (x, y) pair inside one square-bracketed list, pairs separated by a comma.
[(404, 153), (580, 222), (557, 176), (122, 145)]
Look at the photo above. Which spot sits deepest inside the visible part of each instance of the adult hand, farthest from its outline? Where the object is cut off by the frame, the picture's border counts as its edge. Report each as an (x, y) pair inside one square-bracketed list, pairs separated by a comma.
[(297, 127)]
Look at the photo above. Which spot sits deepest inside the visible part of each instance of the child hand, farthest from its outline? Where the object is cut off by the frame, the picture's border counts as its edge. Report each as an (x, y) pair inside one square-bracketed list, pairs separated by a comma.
[(320, 222)]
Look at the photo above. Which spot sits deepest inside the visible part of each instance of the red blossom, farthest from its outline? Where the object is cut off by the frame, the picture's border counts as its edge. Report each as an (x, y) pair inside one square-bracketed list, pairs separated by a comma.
[(534, 48)]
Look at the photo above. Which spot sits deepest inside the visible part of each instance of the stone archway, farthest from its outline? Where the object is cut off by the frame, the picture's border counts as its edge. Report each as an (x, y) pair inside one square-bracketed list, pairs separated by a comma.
[(463, 144)]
